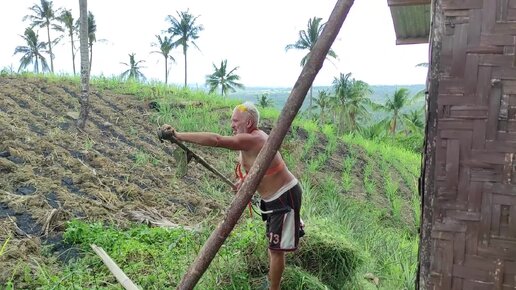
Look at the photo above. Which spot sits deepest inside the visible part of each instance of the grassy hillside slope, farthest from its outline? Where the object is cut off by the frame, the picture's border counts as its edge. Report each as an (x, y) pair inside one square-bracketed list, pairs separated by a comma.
[(115, 185)]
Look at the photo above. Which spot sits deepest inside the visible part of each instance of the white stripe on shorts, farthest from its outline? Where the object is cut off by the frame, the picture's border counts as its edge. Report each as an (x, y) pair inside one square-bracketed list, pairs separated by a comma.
[(288, 236)]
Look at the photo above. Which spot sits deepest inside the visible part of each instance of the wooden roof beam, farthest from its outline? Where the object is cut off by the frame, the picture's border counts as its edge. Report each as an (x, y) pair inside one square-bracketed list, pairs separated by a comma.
[(407, 2)]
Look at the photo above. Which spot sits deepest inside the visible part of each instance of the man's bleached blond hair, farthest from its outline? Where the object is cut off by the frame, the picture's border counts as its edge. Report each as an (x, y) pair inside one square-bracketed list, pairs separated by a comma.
[(251, 109)]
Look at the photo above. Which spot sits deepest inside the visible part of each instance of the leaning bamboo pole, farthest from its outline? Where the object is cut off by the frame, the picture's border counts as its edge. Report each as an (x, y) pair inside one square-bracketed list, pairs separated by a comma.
[(120, 276), (291, 108)]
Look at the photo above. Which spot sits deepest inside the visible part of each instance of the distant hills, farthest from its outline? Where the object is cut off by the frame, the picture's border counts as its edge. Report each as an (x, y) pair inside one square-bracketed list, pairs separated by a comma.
[(280, 95)]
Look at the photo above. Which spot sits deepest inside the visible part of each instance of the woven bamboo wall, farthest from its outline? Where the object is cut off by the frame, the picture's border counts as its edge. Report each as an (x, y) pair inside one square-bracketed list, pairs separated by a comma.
[(473, 228)]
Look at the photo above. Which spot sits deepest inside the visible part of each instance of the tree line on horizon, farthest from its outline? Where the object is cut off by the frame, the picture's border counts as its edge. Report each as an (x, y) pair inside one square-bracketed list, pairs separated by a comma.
[(181, 34)]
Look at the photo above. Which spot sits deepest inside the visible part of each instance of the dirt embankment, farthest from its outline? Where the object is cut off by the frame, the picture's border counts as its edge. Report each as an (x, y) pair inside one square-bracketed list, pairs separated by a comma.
[(51, 173)]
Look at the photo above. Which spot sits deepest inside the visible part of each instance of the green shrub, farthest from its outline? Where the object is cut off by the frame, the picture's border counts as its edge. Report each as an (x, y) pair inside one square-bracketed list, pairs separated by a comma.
[(330, 258), (296, 278)]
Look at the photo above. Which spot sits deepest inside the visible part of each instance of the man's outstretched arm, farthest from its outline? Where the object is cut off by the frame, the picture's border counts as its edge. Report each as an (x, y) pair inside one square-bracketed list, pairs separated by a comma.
[(238, 142)]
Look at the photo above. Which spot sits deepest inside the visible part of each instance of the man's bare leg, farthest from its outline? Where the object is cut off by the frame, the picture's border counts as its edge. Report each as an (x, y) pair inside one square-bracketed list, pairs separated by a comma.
[(276, 267)]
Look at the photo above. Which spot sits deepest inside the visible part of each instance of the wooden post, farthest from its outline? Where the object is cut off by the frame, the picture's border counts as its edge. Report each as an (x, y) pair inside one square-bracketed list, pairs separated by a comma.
[(291, 108), (427, 186), (84, 99)]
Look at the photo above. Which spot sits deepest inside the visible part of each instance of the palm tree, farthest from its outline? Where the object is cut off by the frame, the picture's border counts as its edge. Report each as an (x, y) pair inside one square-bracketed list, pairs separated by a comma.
[(165, 45), (307, 40), (264, 101), (70, 26), (414, 121), (92, 37), (351, 100), (397, 102), (133, 73), (32, 53), (42, 17), (375, 131), (84, 100), (322, 102), (221, 77), (187, 30)]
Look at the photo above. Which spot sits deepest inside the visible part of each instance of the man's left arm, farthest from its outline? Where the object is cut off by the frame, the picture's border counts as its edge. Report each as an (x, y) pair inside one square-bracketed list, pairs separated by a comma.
[(243, 141)]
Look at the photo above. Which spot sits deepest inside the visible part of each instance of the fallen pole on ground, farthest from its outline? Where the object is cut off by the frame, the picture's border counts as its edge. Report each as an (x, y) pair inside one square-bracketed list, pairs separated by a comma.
[(291, 108), (120, 276)]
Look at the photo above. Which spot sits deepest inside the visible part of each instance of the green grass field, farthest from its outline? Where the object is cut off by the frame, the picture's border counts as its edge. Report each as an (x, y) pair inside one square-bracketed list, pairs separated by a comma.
[(360, 200)]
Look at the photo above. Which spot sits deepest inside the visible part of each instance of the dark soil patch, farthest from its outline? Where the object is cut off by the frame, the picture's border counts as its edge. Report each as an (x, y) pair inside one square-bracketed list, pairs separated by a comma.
[(62, 250), (76, 154), (23, 104), (109, 103), (188, 205), (148, 140), (5, 154), (104, 128), (52, 199), (16, 159), (25, 190), (70, 92), (49, 91), (37, 130), (68, 183), (27, 223), (302, 134), (64, 126), (5, 210), (335, 162)]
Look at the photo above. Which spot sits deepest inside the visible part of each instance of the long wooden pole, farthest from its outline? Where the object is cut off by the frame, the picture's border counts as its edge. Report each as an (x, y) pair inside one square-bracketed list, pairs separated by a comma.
[(294, 102), (120, 276)]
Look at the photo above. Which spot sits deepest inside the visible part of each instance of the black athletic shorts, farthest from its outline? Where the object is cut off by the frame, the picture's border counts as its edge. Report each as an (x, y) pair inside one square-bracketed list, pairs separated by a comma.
[(283, 219)]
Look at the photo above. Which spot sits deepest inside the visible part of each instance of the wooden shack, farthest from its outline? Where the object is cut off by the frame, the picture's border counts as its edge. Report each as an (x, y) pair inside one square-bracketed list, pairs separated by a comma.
[(468, 180)]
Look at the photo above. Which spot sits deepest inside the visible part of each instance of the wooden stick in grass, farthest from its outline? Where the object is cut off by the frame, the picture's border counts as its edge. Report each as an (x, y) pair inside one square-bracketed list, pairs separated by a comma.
[(120, 276)]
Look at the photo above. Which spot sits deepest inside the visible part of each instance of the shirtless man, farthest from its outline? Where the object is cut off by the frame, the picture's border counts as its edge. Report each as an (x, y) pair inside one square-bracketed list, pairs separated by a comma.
[(279, 190)]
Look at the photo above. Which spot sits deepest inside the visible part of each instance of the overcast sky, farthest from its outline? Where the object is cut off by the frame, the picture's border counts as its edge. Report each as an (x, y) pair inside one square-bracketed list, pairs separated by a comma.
[(249, 34)]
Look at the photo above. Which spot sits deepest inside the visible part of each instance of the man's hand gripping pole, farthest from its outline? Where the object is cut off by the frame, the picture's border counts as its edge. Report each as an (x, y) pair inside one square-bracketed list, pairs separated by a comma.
[(170, 136)]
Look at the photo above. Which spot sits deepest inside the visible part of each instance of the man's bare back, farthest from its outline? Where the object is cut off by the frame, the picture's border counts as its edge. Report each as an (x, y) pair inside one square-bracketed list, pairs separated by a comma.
[(277, 173)]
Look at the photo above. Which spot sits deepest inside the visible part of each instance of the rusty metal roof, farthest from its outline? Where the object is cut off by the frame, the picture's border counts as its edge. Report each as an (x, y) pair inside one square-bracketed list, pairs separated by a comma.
[(411, 19)]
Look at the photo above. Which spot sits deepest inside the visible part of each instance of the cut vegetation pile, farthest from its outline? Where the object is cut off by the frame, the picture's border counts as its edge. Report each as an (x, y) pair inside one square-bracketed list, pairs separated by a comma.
[(115, 185)]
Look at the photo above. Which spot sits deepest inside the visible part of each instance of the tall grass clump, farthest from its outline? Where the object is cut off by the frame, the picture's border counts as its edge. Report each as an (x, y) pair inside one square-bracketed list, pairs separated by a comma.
[(327, 256), (374, 236), (4, 246), (295, 277), (391, 191), (406, 163), (331, 135), (319, 159), (347, 171), (311, 129), (311, 199), (369, 181), (390, 253)]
